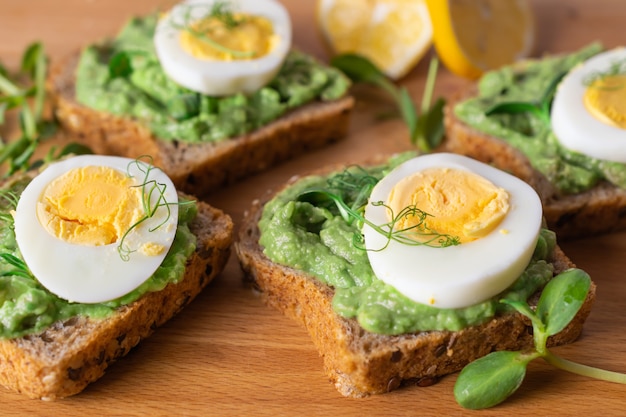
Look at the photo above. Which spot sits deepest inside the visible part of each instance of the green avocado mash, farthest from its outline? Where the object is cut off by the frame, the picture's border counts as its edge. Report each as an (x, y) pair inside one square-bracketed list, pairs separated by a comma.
[(569, 171), (319, 241), (26, 307), (124, 77)]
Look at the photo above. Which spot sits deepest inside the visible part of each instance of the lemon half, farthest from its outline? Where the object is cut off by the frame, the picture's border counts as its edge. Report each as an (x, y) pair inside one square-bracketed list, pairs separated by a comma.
[(474, 36), (393, 34)]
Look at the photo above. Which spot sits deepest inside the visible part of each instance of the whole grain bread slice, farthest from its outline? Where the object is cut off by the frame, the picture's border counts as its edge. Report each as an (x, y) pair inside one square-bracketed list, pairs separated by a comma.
[(599, 210), (65, 358), (197, 168), (360, 363)]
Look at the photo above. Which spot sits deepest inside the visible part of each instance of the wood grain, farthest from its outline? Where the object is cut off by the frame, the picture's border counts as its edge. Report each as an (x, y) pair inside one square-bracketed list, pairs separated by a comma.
[(227, 354)]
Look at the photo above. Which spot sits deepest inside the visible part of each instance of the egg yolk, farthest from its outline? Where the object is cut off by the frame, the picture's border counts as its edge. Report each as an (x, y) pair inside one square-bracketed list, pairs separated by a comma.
[(93, 205), (249, 36), (605, 99), (459, 203)]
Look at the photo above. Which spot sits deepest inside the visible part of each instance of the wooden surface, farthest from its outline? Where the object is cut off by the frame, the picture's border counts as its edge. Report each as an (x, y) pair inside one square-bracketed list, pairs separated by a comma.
[(228, 354)]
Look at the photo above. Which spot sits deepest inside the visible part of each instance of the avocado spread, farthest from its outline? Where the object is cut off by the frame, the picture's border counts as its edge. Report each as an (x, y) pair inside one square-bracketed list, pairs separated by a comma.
[(123, 76), (315, 239), (26, 307), (570, 172)]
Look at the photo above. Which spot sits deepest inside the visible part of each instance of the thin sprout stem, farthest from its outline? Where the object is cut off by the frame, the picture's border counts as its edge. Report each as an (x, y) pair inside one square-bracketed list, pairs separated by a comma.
[(40, 79), (430, 84), (186, 26), (7, 87), (584, 370)]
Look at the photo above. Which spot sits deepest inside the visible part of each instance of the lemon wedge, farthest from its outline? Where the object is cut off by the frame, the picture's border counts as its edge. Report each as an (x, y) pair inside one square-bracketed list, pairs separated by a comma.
[(474, 36), (393, 34)]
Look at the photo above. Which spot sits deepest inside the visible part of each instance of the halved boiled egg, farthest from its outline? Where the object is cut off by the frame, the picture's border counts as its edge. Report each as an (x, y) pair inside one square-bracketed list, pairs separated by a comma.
[(495, 216), (589, 108), (220, 48), (93, 228)]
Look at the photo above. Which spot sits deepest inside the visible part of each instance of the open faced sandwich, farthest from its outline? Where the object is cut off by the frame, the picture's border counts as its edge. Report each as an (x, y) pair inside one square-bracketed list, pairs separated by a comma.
[(396, 270), (558, 123), (96, 253), (213, 91)]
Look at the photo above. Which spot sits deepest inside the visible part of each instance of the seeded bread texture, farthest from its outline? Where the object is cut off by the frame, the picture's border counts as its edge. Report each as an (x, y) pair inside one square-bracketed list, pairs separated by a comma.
[(198, 168), (64, 359), (360, 363), (599, 210)]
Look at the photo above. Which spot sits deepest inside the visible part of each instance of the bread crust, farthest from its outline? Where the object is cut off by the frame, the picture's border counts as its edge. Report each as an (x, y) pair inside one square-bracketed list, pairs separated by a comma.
[(62, 360), (599, 210), (360, 363), (197, 168)]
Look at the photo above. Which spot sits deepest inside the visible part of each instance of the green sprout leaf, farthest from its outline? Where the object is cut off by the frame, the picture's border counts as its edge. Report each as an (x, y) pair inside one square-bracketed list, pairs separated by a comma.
[(120, 65), (562, 298), (425, 129), (417, 234), (28, 100), (539, 108), (488, 381), (491, 379)]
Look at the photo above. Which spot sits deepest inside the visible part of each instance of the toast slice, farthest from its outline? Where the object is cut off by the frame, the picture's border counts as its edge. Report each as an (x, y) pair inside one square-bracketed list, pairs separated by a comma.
[(197, 168), (62, 360), (600, 209), (360, 363)]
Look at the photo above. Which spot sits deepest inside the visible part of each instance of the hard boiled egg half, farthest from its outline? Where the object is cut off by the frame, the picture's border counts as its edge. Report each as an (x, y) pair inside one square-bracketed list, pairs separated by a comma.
[(218, 47), (93, 228), (589, 108), (495, 217)]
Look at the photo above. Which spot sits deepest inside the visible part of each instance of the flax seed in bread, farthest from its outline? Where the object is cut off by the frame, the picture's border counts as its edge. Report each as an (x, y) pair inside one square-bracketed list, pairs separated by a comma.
[(63, 359), (359, 362)]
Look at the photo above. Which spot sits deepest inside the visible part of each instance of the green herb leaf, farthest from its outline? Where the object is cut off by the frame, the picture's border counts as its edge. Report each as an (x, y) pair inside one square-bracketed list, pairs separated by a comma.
[(491, 379), (358, 68), (513, 107), (561, 299), (425, 130), (30, 59), (120, 65), (430, 131), (540, 108), (13, 149), (417, 234), (409, 113)]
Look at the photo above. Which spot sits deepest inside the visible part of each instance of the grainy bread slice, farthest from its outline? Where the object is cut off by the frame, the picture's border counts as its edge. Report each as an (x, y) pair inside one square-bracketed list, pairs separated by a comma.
[(360, 363), (599, 210), (198, 168), (64, 359)]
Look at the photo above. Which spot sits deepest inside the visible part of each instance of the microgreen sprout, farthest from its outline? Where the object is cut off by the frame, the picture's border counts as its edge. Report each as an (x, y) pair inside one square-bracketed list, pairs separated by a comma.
[(28, 100), (425, 128), (152, 199), (221, 11), (8, 203), (539, 108), (355, 185), (491, 379), (616, 68)]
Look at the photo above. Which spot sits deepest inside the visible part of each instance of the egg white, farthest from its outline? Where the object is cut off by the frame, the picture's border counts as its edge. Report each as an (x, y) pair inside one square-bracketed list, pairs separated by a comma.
[(92, 274), (214, 77), (462, 275), (574, 126)]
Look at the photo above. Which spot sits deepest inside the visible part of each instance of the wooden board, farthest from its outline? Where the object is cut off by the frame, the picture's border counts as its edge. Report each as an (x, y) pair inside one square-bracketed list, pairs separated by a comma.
[(228, 354)]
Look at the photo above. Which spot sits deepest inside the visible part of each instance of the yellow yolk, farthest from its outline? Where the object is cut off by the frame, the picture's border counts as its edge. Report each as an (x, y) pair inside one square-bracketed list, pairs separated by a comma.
[(459, 203), (252, 35), (152, 249), (605, 99), (92, 205)]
